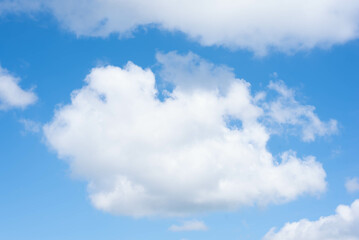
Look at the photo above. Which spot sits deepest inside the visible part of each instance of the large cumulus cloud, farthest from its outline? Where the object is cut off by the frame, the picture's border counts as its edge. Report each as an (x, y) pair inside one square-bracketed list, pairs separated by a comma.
[(197, 148)]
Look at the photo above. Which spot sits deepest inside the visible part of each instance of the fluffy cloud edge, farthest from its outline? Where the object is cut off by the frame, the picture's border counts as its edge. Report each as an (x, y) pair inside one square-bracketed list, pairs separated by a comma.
[(11, 94), (342, 225)]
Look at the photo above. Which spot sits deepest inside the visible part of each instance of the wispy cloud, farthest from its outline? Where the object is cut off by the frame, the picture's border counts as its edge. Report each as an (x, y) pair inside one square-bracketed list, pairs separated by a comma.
[(31, 126), (286, 110), (193, 225), (352, 185)]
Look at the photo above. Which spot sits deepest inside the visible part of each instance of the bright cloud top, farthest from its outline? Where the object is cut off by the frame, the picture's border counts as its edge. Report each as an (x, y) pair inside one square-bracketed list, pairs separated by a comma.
[(11, 94), (193, 225), (257, 25), (343, 225), (199, 149)]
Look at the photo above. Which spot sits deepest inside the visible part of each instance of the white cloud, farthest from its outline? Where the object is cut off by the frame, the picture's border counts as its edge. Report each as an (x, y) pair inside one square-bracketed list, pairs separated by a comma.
[(257, 25), (193, 225), (352, 185), (343, 225), (287, 111), (200, 149), (11, 95), (30, 125)]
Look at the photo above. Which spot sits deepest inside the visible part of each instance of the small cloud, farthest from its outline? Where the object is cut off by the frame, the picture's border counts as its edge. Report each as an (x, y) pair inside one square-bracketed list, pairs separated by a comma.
[(30, 126), (274, 75), (352, 185), (192, 225), (11, 94), (102, 62)]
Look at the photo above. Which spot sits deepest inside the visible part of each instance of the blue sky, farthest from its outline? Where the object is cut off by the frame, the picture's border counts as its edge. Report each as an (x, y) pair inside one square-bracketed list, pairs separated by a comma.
[(51, 177)]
